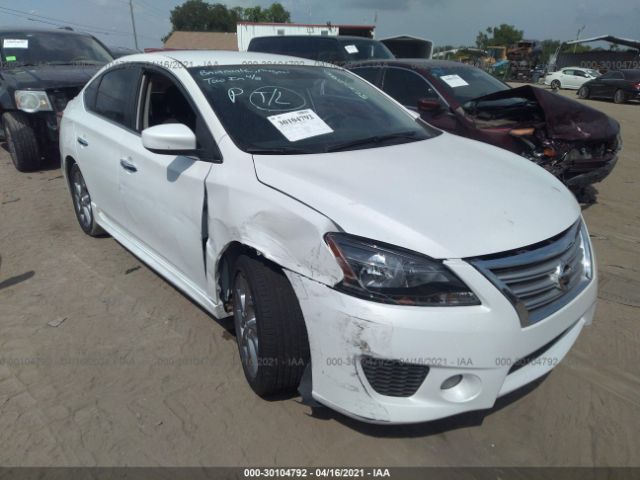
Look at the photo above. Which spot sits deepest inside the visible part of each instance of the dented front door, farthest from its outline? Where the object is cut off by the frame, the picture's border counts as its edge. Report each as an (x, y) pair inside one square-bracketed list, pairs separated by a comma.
[(164, 198)]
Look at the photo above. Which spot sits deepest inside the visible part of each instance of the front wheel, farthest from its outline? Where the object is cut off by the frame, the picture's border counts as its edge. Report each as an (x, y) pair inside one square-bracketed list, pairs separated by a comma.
[(270, 329), (82, 203), (620, 97), (21, 140), (583, 93)]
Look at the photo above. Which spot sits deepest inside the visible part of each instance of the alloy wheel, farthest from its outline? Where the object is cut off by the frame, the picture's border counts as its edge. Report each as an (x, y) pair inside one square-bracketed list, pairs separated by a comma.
[(246, 325), (81, 200)]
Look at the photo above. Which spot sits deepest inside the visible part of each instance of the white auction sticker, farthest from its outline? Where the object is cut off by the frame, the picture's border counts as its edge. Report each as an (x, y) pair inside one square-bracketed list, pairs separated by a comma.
[(15, 43), (300, 124), (454, 81), (351, 48)]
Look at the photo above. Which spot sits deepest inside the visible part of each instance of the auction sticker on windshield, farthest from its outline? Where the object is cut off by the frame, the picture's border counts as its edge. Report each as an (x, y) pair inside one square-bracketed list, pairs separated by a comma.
[(15, 43), (351, 48), (299, 125), (454, 81)]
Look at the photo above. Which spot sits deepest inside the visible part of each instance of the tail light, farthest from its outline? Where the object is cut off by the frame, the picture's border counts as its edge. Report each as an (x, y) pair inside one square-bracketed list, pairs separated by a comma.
[(636, 86)]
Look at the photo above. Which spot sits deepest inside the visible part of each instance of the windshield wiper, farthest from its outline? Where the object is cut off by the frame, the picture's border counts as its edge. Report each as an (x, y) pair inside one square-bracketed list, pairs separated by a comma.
[(277, 151), (375, 139)]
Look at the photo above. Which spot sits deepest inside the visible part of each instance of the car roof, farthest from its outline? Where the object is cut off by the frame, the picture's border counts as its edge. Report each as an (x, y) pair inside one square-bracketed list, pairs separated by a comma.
[(333, 37), (4, 31), (207, 58), (413, 62)]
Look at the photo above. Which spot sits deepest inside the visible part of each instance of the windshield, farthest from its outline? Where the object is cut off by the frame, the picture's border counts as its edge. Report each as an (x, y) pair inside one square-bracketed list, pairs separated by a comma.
[(593, 73), (466, 83), (51, 49), (304, 109), (363, 49)]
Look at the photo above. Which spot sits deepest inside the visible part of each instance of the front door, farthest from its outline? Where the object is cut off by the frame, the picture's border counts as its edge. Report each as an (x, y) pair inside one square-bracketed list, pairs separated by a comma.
[(164, 195)]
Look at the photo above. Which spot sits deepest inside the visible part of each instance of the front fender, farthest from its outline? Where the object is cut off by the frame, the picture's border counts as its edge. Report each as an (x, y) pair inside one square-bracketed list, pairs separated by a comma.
[(282, 229)]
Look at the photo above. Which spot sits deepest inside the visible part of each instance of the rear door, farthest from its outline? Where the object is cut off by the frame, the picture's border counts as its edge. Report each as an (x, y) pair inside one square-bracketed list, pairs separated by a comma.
[(109, 101), (568, 79), (164, 195)]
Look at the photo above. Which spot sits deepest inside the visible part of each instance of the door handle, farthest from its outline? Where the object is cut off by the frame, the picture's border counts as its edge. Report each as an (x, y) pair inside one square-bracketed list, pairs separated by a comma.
[(83, 142), (128, 165)]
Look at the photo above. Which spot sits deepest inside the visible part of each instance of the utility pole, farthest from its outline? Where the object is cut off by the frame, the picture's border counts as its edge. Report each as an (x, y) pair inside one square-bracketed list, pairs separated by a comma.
[(575, 45), (133, 24)]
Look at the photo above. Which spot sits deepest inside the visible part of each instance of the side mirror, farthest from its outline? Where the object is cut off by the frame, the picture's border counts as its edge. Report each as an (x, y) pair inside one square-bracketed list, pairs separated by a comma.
[(169, 139), (429, 105)]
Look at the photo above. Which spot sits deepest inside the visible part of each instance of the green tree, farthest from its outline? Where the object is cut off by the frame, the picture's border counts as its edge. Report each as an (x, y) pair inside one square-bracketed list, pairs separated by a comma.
[(503, 35), (201, 16)]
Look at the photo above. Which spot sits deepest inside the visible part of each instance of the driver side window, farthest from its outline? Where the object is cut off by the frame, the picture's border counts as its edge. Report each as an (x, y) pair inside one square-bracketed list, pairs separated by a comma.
[(407, 87), (163, 103)]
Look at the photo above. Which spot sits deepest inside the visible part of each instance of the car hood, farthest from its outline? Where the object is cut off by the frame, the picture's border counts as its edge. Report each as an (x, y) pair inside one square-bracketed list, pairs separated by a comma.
[(446, 197), (48, 76), (565, 118)]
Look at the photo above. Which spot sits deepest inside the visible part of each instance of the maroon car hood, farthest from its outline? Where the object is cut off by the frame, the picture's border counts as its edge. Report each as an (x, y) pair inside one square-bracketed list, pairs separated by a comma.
[(566, 119)]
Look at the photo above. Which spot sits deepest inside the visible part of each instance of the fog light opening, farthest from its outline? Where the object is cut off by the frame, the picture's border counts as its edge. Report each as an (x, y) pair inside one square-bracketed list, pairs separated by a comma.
[(451, 382)]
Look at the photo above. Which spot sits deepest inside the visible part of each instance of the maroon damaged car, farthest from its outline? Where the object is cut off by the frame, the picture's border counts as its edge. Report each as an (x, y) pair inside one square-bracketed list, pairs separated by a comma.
[(576, 143)]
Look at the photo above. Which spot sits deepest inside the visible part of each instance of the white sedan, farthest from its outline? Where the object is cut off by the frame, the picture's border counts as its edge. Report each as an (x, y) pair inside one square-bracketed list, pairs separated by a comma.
[(570, 77), (388, 270)]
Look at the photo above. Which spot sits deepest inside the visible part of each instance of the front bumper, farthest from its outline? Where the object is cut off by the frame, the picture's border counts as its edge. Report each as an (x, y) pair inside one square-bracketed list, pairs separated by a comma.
[(482, 343), (593, 176)]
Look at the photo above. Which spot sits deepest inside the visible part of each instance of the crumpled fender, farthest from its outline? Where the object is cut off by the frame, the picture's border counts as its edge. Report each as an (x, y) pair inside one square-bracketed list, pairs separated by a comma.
[(566, 119), (282, 229)]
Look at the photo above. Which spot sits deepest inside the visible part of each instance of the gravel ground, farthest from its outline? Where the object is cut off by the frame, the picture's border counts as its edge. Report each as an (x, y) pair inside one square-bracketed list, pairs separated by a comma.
[(104, 363)]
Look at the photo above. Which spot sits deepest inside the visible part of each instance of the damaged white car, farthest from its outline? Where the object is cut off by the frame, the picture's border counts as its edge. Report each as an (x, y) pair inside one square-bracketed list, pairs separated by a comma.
[(388, 270)]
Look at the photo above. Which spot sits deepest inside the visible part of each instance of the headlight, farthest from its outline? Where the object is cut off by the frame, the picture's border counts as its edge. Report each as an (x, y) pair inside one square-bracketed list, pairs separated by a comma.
[(31, 101), (587, 256), (389, 274)]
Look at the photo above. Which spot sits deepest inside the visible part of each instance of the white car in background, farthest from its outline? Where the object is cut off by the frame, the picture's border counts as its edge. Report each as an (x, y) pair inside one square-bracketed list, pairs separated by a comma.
[(388, 270), (570, 77)]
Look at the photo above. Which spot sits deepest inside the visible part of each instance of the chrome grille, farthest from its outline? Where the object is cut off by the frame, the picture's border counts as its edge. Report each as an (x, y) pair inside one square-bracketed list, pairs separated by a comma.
[(541, 279)]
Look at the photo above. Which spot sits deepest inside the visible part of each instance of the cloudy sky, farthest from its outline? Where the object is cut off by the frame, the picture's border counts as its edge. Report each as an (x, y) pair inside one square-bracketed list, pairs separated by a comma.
[(454, 22)]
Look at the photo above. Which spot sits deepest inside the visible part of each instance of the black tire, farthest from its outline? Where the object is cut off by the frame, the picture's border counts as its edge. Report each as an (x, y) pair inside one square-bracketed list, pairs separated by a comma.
[(583, 93), (82, 203), (620, 97), (22, 141), (282, 349), (556, 85)]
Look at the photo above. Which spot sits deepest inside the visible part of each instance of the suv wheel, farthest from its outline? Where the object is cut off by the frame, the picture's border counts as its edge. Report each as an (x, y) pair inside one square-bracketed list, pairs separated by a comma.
[(583, 92), (620, 97), (270, 329), (21, 140)]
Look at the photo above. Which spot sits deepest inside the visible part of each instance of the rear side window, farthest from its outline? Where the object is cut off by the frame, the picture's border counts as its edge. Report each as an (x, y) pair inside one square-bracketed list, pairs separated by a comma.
[(407, 87), (114, 98), (90, 94), (370, 74)]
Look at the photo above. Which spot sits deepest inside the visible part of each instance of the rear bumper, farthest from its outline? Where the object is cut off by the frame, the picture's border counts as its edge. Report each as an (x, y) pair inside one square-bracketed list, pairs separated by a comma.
[(484, 344)]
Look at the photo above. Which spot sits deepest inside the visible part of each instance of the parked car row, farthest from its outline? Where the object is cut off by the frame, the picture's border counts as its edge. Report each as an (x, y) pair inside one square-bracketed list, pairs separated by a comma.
[(467, 101), (378, 264), (529, 121)]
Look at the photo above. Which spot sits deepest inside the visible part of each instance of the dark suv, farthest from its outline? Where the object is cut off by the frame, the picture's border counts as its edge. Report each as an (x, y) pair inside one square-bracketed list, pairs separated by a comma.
[(338, 50), (40, 71)]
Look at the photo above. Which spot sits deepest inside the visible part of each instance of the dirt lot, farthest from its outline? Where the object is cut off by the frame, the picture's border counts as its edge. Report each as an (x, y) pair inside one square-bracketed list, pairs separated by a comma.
[(136, 374)]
